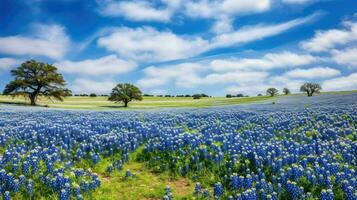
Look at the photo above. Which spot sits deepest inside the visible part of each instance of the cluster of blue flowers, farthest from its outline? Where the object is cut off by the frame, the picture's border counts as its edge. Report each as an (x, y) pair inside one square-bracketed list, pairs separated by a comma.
[(281, 151)]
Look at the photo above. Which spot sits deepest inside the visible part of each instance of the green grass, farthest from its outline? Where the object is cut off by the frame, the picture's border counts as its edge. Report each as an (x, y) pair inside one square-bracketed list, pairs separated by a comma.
[(101, 103), (146, 185)]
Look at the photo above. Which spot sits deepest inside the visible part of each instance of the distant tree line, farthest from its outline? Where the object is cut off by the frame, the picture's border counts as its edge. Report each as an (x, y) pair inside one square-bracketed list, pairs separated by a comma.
[(309, 88), (178, 95), (238, 95), (90, 95)]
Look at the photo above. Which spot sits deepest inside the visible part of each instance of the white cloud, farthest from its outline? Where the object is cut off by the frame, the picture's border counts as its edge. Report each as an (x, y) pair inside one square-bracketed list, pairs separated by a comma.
[(240, 72), (348, 82), (251, 89), (6, 63), (138, 10), (329, 39), (81, 86), (189, 75), (184, 75), (234, 77), (346, 56), (46, 40), (258, 32), (214, 8), (149, 44), (312, 73), (222, 25), (164, 10), (107, 65), (298, 1), (268, 61)]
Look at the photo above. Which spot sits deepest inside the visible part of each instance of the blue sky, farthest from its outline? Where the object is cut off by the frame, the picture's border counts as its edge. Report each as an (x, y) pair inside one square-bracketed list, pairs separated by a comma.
[(184, 47)]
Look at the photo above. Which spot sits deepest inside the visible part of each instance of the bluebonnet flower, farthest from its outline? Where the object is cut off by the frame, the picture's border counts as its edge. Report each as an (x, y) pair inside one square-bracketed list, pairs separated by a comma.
[(110, 169), (206, 193), (7, 195), (235, 182), (198, 188), (326, 195), (218, 190)]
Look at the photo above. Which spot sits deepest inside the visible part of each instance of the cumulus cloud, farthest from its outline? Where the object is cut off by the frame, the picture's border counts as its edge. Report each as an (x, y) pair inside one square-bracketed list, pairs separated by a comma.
[(298, 1), (6, 63), (250, 77), (348, 82), (150, 44), (107, 65), (326, 40), (184, 75), (45, 40), (313, 73), (190, 75), (345, 57), (213, 8), (139, 10), (91, 86), (222, 25), (284, 59)]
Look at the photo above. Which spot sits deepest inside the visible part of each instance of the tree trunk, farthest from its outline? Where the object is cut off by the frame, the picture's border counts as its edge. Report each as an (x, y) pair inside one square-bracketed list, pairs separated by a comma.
[(125, 103), (33, 100)]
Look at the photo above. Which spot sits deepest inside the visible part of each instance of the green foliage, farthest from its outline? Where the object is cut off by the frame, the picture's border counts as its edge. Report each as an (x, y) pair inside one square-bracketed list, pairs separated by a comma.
[(272, 91), (310, 88), (33, 79), (286, 91), (196, 96), (125, 93)]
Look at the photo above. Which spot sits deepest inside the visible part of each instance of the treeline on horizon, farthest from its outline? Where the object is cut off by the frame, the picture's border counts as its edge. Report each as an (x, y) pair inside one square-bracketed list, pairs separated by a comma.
[(145, 95)]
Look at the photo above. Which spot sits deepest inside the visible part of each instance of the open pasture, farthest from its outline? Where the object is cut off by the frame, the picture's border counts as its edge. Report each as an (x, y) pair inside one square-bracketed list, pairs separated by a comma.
[(102, 103), (298, 148)]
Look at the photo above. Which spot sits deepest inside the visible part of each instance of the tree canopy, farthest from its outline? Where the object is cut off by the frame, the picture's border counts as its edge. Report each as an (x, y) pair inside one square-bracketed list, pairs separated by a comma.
[(310, 88), (125, 92), (34, 79), (272, 91), (286, 91)]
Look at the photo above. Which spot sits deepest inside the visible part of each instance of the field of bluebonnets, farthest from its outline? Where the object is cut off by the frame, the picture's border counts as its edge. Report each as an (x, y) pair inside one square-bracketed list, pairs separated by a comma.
[(297, 148)]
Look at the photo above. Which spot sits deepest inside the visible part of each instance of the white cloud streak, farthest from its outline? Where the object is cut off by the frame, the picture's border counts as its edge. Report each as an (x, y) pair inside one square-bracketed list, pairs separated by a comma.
[(46, 40), (139, 10), (258, 32), (326, 40), (268, 61), (313, 73), (151, 45), (345, 57), (107, 65), (348, 82), (86, 86), (6, 63)]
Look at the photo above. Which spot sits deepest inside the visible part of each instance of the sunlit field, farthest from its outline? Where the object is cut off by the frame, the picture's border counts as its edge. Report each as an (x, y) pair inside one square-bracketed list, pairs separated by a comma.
[(102, 103)]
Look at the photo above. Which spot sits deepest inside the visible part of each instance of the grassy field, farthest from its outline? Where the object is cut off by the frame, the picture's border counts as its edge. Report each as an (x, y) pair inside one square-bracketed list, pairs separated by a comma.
[(101, 103)]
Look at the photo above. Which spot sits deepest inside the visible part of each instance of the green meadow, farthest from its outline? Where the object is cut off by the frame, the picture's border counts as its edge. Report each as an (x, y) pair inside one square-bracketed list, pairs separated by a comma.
[(101, 103)]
